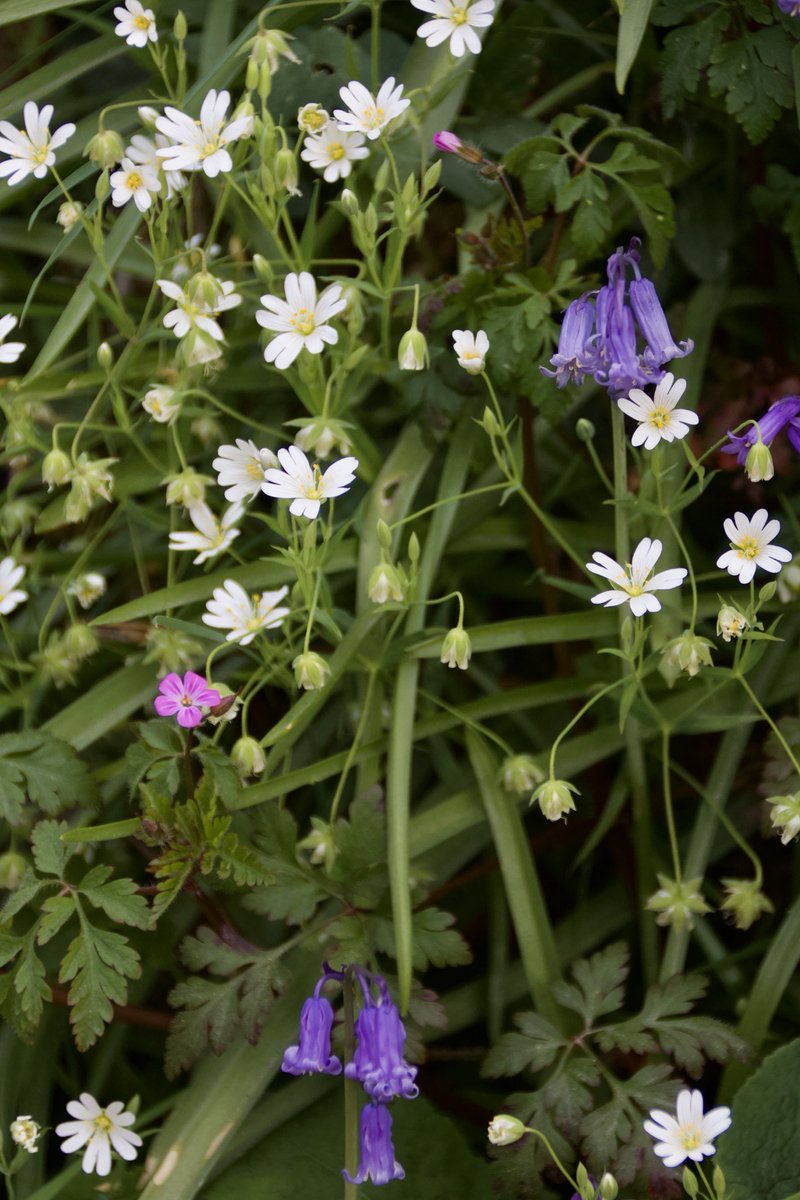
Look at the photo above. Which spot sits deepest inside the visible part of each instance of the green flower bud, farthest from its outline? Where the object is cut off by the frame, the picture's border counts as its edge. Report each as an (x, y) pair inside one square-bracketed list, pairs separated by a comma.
[(687, 654), (248, 757), (456, 649), (180, 28), (384, 536), (285, 167), (789, 581), (207, 430), (554, 798), (78, 502), (759, 465), (785, 816), (94, 473), (677, 902), (731, 623), (490, 423), (584, 430), (186, 488), (310, 671), (148, 115), (80, 642), (199, 348), (263, 269), (608, 1187), (745, 901), (102, 187), (766, 593), (690, 1184), (172, 650), (106, 148), (505, 1129), (385, 584), (55, 662), (205, 288), (18, 516), (321, 844), (13, 867), (251, 75), (105, 356), (56, 468), (349, 202), (431, 177), (412, 353), (413, 549), (586, 1188), (718, 1181), (520, 774)]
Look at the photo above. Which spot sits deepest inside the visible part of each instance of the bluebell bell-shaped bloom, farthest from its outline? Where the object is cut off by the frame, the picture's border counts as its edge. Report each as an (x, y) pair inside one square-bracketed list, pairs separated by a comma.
[(652, 320), (313, 1053), (623, 367), (377, 1162), (378, 1062), (784, 414), (576, 356), (791, 7)]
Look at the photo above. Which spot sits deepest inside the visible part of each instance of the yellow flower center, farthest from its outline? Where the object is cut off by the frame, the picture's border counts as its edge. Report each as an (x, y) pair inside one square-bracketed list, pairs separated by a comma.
[(141, 22), (210, 148), (254, 469), (335, 150), (102, 1123), (373, 116), (690, 1137), (187, 702), (470, 354), (315, 491), (659, 417), (41, 153), (155, 408), (748, 547), (458, 16), (303, 322), (134, 181)]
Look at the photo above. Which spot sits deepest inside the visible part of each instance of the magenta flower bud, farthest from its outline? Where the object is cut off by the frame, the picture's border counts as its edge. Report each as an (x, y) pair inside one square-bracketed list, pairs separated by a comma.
[(377, 1152), (444, 140)]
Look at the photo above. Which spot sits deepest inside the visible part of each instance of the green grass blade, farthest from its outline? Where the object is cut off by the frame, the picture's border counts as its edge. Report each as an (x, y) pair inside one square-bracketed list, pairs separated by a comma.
[(21, 10), (104, 706), (39, 85), (632, 27)]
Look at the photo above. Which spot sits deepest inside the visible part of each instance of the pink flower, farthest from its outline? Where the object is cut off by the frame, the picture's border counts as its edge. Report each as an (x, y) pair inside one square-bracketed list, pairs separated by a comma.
[(444, 140), (182, 697)]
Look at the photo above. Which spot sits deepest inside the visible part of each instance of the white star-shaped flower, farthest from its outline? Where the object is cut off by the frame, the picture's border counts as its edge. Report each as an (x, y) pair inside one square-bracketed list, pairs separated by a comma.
[(471, 349), (100, 1130), (304, 485), (233, 609), (632, 584), (692, 1134), (9, 351), (201, 145), (144, 150), (370, 114), (11, 596), (33, 151), (456, 20), (212, 537), (240, 469), (659, 419), (333, 152), (195, 312), (136, 24), (750, 539), (134, 181), (299, 320)]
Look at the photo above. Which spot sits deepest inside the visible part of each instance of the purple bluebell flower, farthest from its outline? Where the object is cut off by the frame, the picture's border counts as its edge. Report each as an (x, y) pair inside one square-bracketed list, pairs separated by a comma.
[(783, 414), (377, 1162), (652, 320), (313, 1054), (603, 339), (576, 356), (378, 1062), (790, 7)]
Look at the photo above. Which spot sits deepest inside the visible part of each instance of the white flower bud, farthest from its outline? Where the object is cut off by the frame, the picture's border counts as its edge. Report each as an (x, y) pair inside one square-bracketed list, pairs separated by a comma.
[(69, 213), (310, 671), (56, 468), (105, 148), (456, 649), (248, 757), (385, 584), (758, 464), (187, 488), (505, 1129), (25, 1132), (731, 623), (520, 774), (412, 353), (785, 816), (554, 798)]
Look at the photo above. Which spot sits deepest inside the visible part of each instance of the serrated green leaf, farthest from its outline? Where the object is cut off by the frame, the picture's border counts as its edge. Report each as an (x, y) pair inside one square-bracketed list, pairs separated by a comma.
[(599, 984), (27, 891), (10, 947), (44, 769), (97, 965), (755, 76), (117, 898), (29, 982), (56, 911), (533, 1048), (49, 853), (435, 943)]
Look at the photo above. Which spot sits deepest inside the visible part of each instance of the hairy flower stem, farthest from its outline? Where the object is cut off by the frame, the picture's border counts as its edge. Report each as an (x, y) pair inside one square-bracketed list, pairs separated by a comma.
[(634, 753), (352, 1090)]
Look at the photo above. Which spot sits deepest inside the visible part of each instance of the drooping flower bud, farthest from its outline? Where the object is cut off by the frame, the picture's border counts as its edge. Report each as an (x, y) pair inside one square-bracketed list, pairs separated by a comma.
[(758, 465), (456, 649), (285, 168), (80, 641), (105, 148), (731, 623), (320, 842), (785, 816), (87, 588), (520, 774), (312, 1054), (248, 757), (687, 653), (385, 584), (504, 1130), (69, 213), (554, 798), (412, 353), (608, 1187), (745, 901), (186, 488), (310, 671), (56, 468)]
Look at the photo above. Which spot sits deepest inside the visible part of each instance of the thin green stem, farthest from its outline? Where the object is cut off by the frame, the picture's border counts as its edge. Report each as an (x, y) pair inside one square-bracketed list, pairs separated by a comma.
[(571, 724), (667, 787), (351, 754), (760, 707)]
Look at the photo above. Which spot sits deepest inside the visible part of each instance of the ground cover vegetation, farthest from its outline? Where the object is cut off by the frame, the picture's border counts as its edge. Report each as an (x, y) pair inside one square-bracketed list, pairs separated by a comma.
[(398, 599)]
